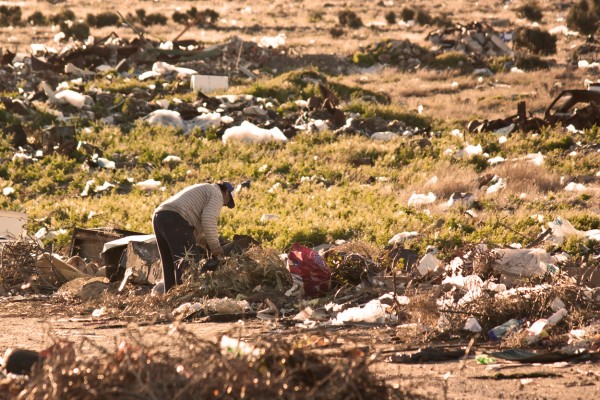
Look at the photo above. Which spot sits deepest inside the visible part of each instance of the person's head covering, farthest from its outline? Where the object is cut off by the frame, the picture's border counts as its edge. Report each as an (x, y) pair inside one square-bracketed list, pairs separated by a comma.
[(229, 187)]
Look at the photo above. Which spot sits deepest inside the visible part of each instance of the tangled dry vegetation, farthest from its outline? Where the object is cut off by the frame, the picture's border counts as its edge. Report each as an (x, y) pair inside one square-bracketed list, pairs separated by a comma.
[(200, 369)]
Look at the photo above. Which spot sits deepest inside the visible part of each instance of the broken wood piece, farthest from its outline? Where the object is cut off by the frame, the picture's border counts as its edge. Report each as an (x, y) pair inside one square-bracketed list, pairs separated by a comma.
[(246, 72)]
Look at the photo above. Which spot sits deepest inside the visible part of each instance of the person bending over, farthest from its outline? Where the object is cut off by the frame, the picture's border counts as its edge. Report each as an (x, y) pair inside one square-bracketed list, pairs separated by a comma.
[(179, 220)]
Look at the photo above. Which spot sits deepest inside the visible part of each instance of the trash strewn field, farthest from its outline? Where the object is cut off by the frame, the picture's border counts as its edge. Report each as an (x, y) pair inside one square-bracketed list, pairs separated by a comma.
[(417, 208)]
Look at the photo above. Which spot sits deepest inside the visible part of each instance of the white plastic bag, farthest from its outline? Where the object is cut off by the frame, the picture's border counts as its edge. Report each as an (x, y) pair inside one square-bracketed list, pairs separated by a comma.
[(472, 325), (247, 132), (421, 199), (429, 263), (525, 263), (165, 118), (372, 312)]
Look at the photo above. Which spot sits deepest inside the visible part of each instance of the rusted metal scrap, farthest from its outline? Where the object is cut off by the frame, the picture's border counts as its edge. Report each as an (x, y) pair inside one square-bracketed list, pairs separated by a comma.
[(579, 108), (563, 109), (519, 121)]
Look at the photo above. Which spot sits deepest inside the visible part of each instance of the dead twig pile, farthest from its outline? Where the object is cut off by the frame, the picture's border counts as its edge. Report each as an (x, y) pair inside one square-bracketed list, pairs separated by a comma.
[(352, 262), (18, 271), (200, 369), (239, 275)]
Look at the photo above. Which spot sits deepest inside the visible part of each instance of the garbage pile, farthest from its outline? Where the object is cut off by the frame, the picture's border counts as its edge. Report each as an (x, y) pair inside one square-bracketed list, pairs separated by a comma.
[(113, 53), (64, 86), (476, 38), (520, 297), (477, 42)]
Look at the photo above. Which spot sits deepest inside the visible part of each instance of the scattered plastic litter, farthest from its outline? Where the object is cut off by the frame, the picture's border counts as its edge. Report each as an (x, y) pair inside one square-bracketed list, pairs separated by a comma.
[(502, 330)]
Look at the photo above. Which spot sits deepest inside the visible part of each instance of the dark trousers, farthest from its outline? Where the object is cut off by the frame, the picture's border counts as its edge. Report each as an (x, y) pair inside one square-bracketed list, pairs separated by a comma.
[(176, 245)]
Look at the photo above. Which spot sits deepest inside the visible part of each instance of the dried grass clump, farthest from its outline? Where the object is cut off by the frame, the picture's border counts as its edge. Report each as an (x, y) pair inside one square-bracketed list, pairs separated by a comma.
[(450, 178), (18, 271), (240, 275), (198, 369), (422, 311), (525, 177), (531, 10)]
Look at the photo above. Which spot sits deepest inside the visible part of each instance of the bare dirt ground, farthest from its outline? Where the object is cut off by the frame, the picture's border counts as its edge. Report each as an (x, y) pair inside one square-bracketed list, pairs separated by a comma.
[(34, 323)]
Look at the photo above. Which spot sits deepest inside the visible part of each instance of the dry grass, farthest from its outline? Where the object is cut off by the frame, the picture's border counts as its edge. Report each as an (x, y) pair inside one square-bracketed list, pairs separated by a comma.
[(450, 178), (525, 177), (240, 275)]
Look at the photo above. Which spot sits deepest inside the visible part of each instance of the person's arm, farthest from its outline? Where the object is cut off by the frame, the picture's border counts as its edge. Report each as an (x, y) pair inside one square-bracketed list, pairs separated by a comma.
[(209, 219)]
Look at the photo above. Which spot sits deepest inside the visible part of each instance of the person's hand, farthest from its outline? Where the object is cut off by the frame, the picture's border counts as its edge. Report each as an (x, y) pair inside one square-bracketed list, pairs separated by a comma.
[(218, 253)]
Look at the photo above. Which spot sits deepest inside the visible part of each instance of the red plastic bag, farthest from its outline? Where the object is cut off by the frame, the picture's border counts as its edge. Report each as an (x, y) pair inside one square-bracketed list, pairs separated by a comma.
[(307, 266)]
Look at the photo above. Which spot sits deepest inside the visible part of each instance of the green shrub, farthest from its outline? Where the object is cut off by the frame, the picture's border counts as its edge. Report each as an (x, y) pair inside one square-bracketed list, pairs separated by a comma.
[(408, 14), (531, 11), (77, 30), (450, 60), (350, 19), (203, 18), (423, 17), (10, 16), (563, 143), (531, 62), (65, 15), (390, 17), (38, 19), (583, 17), (535, 40), (107, 18)]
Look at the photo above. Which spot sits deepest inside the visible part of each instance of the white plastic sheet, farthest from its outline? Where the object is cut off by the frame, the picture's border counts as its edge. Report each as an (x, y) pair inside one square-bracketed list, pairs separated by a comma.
[(372, 312), (165, 118), (472, 325), (417, 199), (71, 97), (402, 236), (206, 121), (247, 132), (273, 41), (524, 263), (148, 185), (429, 263), (384, 136)]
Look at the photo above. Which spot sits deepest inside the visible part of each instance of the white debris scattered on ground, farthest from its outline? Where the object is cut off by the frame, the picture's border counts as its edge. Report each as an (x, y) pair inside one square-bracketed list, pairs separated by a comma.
[(165, 118), (148, 185), (417, 199), (402, 236)]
